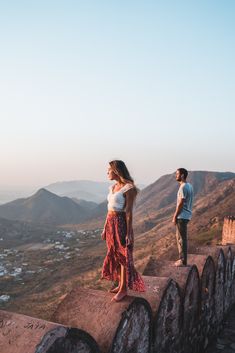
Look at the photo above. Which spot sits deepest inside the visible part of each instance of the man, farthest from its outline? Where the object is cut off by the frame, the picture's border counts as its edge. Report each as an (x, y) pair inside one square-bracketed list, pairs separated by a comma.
[(183, 214)]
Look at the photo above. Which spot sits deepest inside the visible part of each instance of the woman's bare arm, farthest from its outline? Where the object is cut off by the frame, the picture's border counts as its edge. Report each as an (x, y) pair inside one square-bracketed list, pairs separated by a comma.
[(103, 237)]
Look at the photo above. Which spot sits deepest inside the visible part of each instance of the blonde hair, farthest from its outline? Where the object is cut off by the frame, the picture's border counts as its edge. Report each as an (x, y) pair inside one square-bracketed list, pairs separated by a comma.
[(120, 169)]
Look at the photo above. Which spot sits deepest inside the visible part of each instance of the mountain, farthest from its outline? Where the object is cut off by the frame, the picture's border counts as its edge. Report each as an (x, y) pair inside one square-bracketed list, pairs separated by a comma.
[(214, 197), (58, 271), (81, 189), (162, 193), (155, 204), (44, 207), (157, 201), (154, 230), (86, 205)]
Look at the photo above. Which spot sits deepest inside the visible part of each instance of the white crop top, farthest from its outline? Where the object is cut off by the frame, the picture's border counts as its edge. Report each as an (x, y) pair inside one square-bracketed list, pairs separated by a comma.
[(116, 200)]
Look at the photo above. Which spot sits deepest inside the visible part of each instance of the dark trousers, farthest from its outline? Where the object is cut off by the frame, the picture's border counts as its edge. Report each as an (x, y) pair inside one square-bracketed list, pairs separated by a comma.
[(181, 238)]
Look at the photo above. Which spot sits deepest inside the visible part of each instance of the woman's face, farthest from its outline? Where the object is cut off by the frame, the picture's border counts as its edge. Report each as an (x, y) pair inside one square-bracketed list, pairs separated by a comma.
[(111, 174)]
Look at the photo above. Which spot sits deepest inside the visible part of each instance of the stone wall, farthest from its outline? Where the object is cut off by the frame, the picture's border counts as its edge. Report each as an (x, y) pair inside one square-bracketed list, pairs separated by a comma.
[(182, 311), (228, 236), (24, 334)]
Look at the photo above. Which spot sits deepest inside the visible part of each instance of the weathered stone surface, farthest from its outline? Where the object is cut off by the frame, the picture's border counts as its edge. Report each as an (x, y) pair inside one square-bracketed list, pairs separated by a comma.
[(198, 260), (233, 282), (21, 334), (155, 287), (167, 269), (191, 311), (206, 267), (166, 302), (187, 278), (225, 342), (168, 321), (220, 264), (219, 290), (113, 325), (228, 300)]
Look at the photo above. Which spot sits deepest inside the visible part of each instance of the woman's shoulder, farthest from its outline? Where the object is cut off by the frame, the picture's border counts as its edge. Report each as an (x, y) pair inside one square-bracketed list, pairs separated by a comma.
[(127, 186), (111, 189)]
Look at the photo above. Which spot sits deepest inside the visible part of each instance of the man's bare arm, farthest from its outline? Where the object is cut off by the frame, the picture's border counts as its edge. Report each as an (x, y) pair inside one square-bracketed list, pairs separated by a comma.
[(178, 210)]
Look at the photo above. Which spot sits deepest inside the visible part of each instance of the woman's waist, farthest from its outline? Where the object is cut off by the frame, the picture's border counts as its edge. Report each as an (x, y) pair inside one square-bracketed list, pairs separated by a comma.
[(116, 212)]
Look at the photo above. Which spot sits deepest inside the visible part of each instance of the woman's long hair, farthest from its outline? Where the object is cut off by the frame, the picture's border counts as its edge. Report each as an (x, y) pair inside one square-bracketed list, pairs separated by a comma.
[(120, 169)]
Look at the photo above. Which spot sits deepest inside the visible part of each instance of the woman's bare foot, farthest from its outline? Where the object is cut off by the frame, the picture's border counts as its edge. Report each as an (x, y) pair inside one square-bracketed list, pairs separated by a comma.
[(179, 263), (114, 290), (119, 296)]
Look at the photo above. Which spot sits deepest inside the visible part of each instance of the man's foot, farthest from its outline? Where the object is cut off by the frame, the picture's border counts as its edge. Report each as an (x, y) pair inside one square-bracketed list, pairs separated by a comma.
[(179, 263), (119, 296), (114, 290)]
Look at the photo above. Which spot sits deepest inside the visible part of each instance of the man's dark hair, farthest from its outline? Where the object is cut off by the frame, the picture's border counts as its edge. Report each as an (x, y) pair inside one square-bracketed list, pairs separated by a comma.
[(184, 172)]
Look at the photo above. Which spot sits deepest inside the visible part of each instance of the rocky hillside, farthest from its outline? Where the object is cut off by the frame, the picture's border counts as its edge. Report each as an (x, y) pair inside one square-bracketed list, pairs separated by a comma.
[(213, 197), (163, 192), (155, 204)]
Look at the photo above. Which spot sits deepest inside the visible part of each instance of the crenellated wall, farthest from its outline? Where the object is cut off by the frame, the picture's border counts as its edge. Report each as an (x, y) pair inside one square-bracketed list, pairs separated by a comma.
[(24, 334), (228, 235), (181, 311)]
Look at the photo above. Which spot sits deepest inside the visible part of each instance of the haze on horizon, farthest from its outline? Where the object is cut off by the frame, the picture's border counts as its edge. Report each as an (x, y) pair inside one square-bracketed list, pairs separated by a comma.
[(83, 83)]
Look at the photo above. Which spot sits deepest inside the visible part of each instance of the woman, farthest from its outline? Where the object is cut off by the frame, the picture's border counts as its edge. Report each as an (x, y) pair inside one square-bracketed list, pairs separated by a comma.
[(118, 232)]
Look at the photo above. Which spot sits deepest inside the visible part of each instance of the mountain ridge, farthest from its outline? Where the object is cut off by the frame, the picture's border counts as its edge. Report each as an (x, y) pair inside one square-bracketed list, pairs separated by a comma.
[(43, 207), (88, 190), (157, 201), (154, 203)]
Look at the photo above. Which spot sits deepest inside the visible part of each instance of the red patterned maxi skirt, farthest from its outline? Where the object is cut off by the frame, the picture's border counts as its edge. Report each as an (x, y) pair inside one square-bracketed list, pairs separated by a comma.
[(120, 254)]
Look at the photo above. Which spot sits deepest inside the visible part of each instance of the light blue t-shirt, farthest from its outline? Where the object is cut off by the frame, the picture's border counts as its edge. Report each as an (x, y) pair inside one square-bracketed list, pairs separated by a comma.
[(185, 192)]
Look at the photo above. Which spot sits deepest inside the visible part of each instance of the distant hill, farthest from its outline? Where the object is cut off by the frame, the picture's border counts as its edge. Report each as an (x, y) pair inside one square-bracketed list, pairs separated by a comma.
[(81, 189), (44, 207), (86, 205), (214, 197)]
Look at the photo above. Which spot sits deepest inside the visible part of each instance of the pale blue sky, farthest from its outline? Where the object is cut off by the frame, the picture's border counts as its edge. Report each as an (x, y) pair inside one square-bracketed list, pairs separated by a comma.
[(83, 82)]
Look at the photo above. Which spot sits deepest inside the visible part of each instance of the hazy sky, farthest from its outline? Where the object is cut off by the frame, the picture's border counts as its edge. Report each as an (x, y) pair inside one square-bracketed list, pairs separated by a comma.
[(84, 82)]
